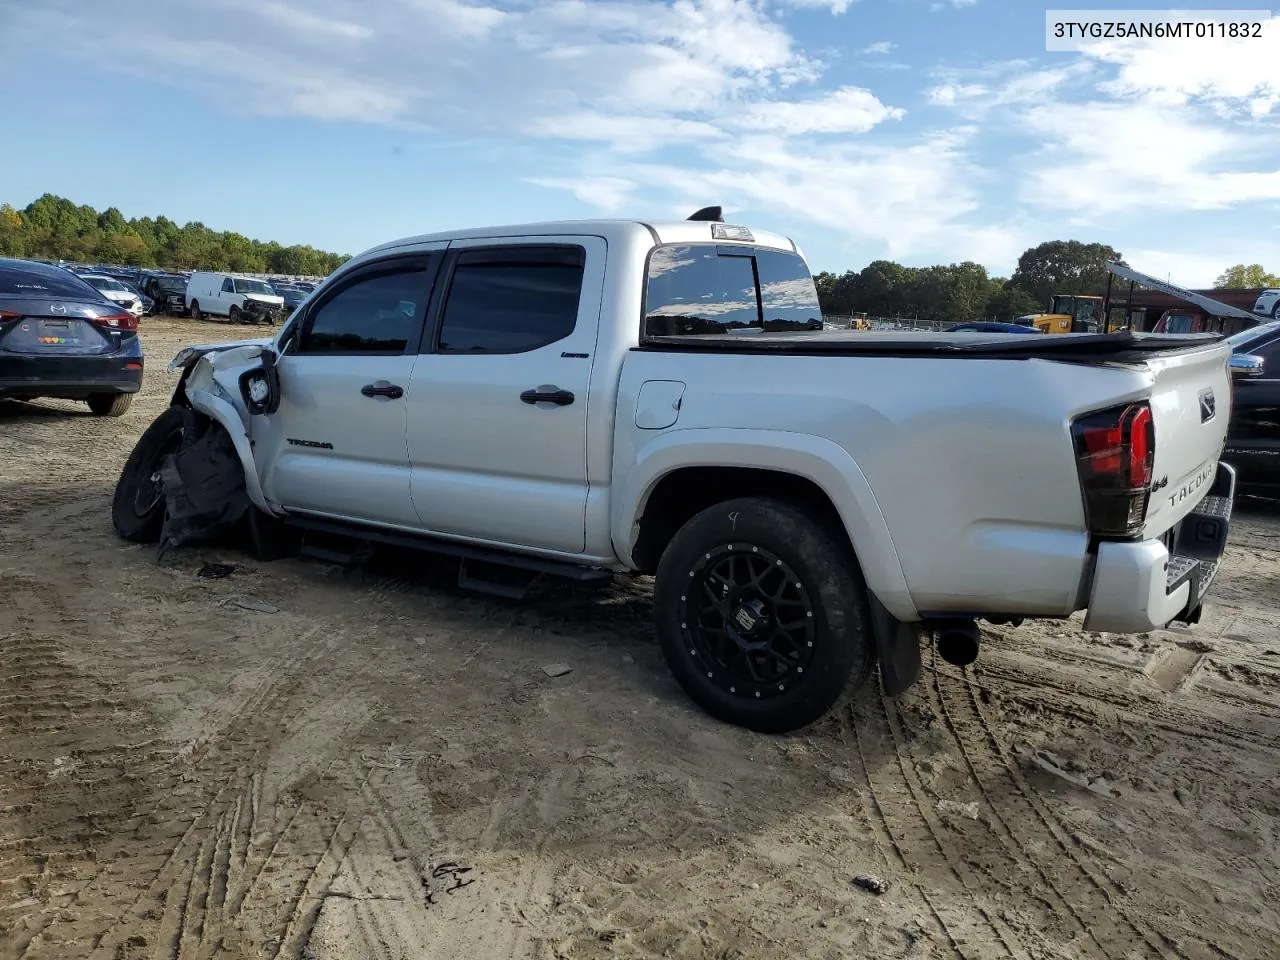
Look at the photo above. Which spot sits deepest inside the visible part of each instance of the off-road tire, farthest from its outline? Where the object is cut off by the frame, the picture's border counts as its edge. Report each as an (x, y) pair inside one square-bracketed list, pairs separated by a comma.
[(109, 404), (136, 513), (843, 648)]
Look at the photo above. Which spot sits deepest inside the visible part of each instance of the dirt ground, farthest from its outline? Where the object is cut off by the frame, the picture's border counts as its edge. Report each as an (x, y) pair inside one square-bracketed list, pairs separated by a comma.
[(376, 764)]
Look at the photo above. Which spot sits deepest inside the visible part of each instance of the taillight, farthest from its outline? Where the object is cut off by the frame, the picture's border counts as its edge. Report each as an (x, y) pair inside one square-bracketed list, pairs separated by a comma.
[(118, 321), (6, 315), (1115, 454)]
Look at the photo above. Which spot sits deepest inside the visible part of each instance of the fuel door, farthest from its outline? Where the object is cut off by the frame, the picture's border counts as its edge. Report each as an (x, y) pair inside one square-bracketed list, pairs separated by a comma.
[(658, 404)]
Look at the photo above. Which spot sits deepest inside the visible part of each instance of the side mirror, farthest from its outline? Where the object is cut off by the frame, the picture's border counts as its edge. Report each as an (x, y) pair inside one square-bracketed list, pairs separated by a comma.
[(260, 386), (1245, 365)]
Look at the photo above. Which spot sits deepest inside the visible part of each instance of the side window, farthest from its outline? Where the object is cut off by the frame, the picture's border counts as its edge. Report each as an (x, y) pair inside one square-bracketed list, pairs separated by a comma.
[(512, 299), (228, 286), (374, 313), (697, 290)]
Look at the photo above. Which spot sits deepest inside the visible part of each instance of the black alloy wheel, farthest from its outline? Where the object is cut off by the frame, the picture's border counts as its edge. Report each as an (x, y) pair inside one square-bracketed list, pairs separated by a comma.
[(762, 614)]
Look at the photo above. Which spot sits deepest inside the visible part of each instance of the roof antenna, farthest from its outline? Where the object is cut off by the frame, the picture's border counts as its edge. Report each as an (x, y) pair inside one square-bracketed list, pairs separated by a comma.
[(714, 214)]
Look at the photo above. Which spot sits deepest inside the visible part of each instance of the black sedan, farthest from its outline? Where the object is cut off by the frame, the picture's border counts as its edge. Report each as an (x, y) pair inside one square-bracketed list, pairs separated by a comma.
[(59, 337), (1253, 436), (991, 326)]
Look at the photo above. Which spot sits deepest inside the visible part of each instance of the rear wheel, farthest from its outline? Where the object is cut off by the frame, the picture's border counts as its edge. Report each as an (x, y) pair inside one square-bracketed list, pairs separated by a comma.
[(137, 509), (195, 310), (762, 615), (109, 404)]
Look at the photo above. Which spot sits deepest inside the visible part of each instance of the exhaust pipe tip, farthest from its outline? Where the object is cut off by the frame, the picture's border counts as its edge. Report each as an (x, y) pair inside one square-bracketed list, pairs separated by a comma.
[(958, 642)]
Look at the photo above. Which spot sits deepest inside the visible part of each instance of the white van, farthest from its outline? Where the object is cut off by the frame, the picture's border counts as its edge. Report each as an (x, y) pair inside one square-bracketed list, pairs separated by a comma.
[(239, 299)]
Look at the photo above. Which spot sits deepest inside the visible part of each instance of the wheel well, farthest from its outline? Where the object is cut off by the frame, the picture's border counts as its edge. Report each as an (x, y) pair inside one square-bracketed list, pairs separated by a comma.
[(683, 493)]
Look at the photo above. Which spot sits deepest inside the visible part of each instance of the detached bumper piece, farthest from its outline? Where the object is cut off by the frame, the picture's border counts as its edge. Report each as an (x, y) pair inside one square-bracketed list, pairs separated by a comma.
[(1143, 586)]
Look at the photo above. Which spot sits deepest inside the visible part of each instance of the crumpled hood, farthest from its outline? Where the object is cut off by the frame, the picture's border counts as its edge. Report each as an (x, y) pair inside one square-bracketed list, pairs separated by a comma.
[(187, 356), (268, 299)]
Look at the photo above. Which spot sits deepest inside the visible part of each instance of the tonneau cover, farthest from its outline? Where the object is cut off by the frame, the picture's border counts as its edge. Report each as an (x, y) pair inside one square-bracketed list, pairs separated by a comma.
[(1116, 347)]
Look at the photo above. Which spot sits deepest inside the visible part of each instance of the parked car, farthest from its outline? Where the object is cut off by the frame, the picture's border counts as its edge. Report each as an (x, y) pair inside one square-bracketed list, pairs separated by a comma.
[(292, 295), (168, 290), (1253, 437), (239, 299), (1268, 303), (991, 326), (116, 291), (516, 396), (60, 337)]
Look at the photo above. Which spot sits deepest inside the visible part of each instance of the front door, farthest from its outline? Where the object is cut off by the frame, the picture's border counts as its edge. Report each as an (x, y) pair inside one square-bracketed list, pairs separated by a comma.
[(336, 445), (498, 403)]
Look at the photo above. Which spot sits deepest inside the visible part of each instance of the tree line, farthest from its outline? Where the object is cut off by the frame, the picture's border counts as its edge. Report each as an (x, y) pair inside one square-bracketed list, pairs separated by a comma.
[(54, 228), (964, 291)]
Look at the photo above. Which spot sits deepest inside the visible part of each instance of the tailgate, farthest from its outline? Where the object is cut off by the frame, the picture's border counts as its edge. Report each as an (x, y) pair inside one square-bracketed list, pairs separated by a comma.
[(1190, 407)]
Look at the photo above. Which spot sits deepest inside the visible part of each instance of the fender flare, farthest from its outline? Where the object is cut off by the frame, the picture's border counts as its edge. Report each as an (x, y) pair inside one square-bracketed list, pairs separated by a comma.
[(818, 460), (224, 414)]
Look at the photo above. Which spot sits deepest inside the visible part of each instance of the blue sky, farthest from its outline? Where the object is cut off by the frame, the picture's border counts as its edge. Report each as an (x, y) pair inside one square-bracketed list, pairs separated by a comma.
[(924, 131)]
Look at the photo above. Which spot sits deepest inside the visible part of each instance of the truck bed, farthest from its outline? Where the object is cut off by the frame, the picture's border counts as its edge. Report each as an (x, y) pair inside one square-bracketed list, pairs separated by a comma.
[(1071, 347)]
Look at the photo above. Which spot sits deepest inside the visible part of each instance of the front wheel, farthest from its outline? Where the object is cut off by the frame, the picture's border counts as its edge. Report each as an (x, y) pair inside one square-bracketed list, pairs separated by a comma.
[(137, 509), (762, 615), (234, 316)]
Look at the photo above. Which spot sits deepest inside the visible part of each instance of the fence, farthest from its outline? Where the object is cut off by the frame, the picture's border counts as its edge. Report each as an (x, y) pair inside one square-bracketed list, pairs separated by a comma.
[(832, 322)]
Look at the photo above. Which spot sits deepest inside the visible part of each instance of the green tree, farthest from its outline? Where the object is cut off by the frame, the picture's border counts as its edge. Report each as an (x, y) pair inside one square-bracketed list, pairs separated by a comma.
[(54, 227), (1063, 266), (1247, 278), (1008, 303)]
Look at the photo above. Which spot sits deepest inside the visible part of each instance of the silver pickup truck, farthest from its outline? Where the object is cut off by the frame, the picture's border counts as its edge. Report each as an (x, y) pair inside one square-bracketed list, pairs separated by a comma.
[(586, 398)]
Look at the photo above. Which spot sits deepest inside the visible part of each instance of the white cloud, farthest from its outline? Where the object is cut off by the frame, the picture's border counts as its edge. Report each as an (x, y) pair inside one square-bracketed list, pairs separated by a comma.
[(608, 194), (836, 7), (847, 110), (1199, 270), (880, 48), (1102, 158), (301, 21), (1233, 74)]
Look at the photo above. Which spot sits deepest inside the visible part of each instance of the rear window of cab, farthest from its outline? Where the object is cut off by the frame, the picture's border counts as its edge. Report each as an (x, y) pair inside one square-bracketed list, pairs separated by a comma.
[(700, 289)]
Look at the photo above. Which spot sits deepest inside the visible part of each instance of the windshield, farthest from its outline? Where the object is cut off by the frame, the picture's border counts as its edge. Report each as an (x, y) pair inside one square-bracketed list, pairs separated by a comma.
[(253, 286), (105, 283), (1240, 340), (171, 284)]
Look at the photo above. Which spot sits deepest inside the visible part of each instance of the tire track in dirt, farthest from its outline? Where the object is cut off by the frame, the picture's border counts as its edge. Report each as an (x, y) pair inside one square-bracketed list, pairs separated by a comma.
[(1118, 897), (916, 837), (1023, 823)]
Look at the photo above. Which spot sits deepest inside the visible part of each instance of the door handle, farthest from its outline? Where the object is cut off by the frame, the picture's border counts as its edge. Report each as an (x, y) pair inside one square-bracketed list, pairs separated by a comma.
[(382, 389), (548, 394)]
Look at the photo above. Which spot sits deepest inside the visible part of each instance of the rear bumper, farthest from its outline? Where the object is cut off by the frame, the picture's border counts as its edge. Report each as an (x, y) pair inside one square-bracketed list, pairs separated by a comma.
[(69, 378), (1144, 586)]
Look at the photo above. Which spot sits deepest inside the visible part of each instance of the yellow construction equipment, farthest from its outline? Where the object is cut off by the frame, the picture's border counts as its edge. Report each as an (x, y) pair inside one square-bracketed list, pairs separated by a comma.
[(1068, 313)]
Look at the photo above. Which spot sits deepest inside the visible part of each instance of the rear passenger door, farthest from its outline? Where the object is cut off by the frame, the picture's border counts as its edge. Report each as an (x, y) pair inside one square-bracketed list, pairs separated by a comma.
[(497, 405)]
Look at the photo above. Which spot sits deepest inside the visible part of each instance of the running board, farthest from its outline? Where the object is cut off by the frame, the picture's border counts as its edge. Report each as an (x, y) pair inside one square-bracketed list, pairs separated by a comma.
[(464, 551)]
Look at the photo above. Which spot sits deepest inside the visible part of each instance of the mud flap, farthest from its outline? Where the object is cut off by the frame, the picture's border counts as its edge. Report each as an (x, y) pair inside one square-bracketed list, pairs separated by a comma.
[(898, 646), (203, 486)]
